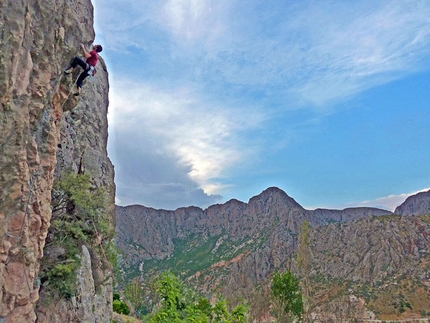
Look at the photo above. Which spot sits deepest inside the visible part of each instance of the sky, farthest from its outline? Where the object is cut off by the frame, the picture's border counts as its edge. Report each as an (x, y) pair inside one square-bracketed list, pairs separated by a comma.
[(211, 100)]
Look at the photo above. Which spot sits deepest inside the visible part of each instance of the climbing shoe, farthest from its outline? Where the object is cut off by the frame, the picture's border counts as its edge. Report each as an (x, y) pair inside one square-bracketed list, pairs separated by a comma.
[(68, 71), (76, 94)]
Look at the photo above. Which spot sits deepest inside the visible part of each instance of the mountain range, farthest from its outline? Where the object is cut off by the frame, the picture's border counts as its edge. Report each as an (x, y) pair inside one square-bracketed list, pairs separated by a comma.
[(235, 247)]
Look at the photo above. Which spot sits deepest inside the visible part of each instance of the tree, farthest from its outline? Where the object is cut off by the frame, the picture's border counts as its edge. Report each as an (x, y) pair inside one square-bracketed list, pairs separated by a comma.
[(304, 263), (180, 305), (259, 302), (79, 217), (287, 297)]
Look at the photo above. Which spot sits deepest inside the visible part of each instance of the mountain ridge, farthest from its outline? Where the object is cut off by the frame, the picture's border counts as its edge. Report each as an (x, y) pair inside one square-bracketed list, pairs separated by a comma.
[(415, 204), (272, 210), (234, 247)]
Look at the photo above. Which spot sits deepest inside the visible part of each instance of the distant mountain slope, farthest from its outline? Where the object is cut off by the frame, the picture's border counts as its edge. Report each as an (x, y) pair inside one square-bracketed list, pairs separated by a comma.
[(260, 234), (371, 249), (146, 233), (232, 247), (418, 204)]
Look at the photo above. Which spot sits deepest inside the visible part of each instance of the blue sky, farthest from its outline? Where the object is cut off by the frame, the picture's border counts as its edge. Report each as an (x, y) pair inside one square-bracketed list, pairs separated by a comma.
[(213, 100)]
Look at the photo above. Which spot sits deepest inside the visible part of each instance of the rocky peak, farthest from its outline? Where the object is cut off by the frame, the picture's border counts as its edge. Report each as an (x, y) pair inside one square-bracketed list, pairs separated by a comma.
[(415, 205), (271, 199), (325, 216), (147, 233)]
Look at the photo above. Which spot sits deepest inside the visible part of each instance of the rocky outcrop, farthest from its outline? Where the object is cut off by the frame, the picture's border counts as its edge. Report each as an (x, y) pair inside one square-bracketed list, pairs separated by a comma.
[(82, 148), (146, 233), (87, 306), (349, 214), (418, 204), (372, 249), (37, 39)]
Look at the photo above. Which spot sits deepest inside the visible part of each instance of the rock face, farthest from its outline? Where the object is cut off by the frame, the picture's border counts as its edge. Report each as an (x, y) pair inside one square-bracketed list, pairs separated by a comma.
[(88, 306), (37, 39), (82, 148), (233, 247), (418, 204), (262, 233), (372, 249), (154, 230)]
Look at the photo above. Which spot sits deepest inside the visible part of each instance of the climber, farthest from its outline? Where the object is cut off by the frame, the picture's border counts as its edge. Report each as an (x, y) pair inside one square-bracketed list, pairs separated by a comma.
[(88, 65)]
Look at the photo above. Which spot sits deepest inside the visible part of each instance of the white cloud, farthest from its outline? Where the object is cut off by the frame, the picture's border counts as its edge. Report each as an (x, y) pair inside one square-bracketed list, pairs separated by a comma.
[(362, 47), (202, 138), (187, 18), (278, 55), (389, 202), (317, 52)]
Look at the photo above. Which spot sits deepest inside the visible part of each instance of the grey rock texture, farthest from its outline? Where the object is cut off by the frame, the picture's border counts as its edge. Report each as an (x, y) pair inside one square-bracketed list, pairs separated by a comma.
[(82, 147), (418, 204), (371, 249), (88, 306)]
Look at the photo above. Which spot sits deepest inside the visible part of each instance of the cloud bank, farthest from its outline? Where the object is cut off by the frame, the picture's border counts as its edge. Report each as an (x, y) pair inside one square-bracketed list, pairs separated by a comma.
[(170, 142)]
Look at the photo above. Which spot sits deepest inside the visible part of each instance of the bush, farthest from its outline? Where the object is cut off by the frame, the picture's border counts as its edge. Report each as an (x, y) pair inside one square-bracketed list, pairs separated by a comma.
[(78, 213), (287, 297), (120, 307), (179, 305)]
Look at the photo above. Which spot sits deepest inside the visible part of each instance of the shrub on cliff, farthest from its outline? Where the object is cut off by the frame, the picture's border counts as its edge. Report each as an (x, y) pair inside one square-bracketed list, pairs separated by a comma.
[(78, 217)]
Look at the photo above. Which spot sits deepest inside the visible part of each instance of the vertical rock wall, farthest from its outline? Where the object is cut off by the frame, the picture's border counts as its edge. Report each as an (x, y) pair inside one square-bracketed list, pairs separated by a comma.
[(37, 39), (82, 147)]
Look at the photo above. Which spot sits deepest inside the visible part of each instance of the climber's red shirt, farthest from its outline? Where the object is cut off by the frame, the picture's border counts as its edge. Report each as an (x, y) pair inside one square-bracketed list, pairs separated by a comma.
[(93, 59)]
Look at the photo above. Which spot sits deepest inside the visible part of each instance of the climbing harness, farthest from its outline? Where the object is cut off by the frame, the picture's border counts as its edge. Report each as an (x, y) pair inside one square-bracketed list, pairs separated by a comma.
[(92, 70)]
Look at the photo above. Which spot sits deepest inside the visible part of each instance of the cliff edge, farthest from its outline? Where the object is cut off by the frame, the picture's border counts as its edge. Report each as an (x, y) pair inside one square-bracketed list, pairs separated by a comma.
[(37, 39)]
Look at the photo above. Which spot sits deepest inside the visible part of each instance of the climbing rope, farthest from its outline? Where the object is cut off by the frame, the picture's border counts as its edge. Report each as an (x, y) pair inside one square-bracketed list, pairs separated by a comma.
[(99, 240), (65, 100)]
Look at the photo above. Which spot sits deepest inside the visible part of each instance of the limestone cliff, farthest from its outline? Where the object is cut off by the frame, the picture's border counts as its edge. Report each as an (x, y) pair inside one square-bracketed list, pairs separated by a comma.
[(37, 39), (82, 148)]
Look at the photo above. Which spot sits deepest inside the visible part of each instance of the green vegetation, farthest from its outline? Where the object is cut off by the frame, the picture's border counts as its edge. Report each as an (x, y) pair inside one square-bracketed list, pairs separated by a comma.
[(386, 218), (287, 297), (191, 254), (178, 304), (78, 214), (135, 294), (424, 218), (119, 306)]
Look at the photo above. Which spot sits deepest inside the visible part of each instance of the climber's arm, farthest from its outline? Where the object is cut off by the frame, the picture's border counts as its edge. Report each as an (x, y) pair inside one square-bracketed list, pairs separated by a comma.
[(84, 52)]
